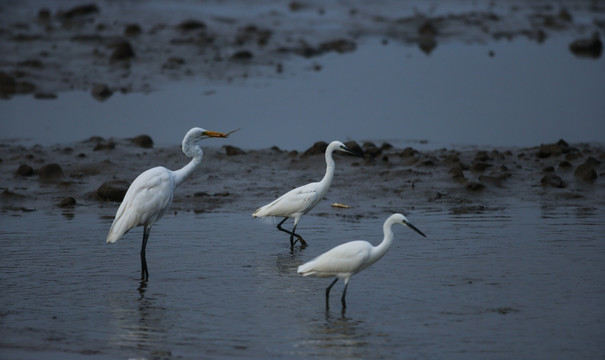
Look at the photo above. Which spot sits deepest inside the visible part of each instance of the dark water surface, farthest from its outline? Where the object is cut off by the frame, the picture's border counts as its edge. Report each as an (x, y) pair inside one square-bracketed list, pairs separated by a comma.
[(526, 94), (517, 281)]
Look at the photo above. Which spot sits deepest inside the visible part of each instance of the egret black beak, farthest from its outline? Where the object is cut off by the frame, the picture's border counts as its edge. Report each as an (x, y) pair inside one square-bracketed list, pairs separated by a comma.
[(414, 228), (354, 153)]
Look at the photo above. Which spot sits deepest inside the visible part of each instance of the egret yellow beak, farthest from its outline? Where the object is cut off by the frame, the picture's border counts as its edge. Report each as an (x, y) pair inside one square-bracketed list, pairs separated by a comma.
[(215, 134)]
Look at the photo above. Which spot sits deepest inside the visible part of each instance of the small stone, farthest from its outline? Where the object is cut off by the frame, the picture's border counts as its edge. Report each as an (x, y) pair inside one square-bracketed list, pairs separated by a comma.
[(552, 180), (50, 172), (144, 141), (101, 92), (67, 202), (122, 51), (317, 148), (232, 150), (25, 170), (113, 190)]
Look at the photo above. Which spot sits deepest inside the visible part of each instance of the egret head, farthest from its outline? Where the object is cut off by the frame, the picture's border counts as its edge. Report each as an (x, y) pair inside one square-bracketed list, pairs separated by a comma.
[(339, 146), (194, 136), (401, 219)]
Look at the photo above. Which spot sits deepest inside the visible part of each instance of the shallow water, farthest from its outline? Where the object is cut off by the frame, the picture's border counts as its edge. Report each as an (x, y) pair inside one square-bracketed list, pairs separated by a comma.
[(514, 281), (526, 94)]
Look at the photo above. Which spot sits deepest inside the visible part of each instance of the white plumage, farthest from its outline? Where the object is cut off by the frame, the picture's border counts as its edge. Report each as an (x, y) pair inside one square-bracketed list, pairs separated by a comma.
[(299, 201), (346, 260), (150, 195)]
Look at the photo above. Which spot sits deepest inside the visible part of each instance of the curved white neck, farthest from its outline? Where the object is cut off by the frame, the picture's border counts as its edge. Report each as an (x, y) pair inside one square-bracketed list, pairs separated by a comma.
[(387, 240), (184, 172)]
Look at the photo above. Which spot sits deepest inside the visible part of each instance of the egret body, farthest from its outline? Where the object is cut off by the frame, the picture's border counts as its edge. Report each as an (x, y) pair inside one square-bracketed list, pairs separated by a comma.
[(349, 258), (299, 201), (149, 196)]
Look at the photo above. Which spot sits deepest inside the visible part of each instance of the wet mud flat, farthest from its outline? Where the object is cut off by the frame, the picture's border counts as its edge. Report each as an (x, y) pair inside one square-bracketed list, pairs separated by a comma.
[(103, 47), (511, 266), (95, 173)]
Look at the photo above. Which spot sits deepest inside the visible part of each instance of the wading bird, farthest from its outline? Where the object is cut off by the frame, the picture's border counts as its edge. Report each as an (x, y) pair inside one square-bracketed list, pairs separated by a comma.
[(150, 194), (350, 258), (299, 201)]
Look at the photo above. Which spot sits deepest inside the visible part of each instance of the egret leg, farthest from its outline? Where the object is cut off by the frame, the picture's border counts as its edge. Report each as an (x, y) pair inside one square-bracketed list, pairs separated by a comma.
[(292, 234), (328, 293), (342, 299), (144, 272)]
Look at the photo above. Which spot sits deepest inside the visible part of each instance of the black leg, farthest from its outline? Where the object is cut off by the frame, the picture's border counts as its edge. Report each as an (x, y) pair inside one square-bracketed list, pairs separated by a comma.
[(328, 293), (342, 299), (292, 233), (144, 272)]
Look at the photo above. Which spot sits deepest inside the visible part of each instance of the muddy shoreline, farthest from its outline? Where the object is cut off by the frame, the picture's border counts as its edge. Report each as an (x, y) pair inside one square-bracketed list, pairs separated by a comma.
[(92, 175), (103, 47)]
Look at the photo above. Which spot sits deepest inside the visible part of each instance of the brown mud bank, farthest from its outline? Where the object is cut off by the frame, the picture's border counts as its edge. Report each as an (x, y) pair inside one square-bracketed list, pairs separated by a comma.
[(130, 46), (93, 175)]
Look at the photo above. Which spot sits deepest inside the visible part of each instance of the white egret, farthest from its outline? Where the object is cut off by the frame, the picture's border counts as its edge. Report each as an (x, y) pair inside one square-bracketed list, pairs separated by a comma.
[(349, 258), (150, 194), (299, 201)]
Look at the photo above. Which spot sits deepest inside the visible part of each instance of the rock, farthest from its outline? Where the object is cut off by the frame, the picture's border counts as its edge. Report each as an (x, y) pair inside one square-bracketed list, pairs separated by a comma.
[(353, 145), (80, 10), (132, 30), (340, 46), (548, 150), (586, 171), (232, 150), (475, 186), (45, 96), (101, 92), (173, 62), (144, 141), (553, 180), (408, 152), (317, 148), (25, 170), (242, 55), (479, 166), (113, 190), (67, 202), (122, 51), (191, 24), (109, 145), (50, 172), (371, 149), (8, 85), (590, 47)]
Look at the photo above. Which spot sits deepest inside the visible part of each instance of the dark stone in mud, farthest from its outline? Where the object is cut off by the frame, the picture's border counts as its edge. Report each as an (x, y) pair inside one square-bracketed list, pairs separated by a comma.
[(232, 150), (113, 190), (586, 171), (371, 149), (50, 172), (144, 141), (553, 180), (122, 50), (475, 186), (173, 62), (109, 145), (191, 24), (339, 45), (548, 150), (101, 92), (67, 202), (565, 164), (242, 55), (590, 47), (45, 96), (25, 170), (8, 85), (479, 166), (80, 10), (457, 172), (132, 30), (408, 152), (317, 148), (353, 145)]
